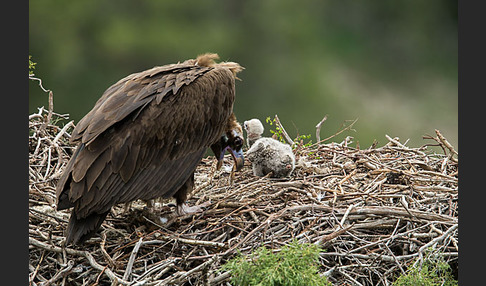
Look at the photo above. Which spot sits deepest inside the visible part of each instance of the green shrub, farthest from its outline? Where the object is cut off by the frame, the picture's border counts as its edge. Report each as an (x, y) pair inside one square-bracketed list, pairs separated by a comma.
[(31, 66), (278, 133), (434, 271), (294, 265)]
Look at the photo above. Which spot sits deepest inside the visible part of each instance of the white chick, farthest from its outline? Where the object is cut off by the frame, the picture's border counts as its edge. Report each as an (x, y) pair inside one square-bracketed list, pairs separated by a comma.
[(267, 154), (254, 130)]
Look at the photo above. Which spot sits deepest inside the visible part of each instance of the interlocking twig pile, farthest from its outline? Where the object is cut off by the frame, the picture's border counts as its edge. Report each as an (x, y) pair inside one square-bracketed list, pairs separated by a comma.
[(375, 211)]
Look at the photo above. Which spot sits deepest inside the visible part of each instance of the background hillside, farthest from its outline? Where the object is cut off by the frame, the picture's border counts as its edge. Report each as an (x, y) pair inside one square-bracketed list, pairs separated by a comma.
[(393, 65)]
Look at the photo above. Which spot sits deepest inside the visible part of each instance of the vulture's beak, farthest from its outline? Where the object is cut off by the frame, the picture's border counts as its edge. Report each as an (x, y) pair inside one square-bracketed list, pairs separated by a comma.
[(238, 158), (234, 146)]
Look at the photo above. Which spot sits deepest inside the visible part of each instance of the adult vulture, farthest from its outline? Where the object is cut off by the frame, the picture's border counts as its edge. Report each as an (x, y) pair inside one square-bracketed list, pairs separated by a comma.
[(144, 138)]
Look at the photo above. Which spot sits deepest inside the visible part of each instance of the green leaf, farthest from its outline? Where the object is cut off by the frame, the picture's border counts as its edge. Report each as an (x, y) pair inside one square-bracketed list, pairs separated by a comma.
[(31, 66)]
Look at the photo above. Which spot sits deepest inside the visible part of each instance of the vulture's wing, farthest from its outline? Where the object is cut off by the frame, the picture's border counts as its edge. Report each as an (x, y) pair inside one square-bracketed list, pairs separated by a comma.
[(145, 137), (132, 93)]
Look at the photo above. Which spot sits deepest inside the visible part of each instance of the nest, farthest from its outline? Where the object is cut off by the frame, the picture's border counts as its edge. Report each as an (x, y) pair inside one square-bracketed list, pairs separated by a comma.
[(374, 211)]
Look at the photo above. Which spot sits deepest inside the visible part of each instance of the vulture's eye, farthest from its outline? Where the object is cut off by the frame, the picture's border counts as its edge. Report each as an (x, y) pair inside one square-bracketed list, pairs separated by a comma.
[(238, 143)]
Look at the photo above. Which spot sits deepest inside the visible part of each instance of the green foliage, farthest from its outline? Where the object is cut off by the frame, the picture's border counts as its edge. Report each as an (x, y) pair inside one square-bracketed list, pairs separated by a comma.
[(299, 140), (434, 271), (278, 133), (31, 66), (295, 264)]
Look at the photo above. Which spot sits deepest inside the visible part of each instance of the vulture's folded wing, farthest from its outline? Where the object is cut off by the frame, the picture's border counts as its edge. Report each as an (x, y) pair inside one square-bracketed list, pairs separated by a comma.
[(145, 136)]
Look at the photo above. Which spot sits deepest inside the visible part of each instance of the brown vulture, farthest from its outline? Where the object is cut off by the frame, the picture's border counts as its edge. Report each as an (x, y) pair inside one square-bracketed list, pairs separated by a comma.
[(144, 138)]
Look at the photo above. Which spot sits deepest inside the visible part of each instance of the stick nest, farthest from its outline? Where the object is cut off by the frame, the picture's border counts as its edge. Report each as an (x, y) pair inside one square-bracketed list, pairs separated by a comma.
[(375, 212)]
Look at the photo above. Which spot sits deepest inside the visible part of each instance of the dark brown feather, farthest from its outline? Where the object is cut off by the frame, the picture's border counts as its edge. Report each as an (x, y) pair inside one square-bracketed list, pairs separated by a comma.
[(92, 223), (129, 165)]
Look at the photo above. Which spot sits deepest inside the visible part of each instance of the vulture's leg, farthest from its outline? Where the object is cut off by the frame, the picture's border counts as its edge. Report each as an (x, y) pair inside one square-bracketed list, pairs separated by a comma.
[(181, 197), (151, 205), (184, 209)]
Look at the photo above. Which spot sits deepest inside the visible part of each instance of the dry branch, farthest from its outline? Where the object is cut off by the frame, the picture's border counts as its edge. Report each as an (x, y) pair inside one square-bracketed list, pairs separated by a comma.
[(284, 132), (318, 128)]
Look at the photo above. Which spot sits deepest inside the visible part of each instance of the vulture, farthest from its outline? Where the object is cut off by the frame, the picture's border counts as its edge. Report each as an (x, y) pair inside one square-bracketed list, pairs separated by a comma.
[(267, 155), (144, 138)]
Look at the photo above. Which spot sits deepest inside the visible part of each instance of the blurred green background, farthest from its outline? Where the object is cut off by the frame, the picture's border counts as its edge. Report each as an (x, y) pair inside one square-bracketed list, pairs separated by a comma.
[(392, 64)]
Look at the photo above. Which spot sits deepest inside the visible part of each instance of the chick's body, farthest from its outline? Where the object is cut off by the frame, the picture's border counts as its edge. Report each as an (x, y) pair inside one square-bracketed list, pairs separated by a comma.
[(270, 155)]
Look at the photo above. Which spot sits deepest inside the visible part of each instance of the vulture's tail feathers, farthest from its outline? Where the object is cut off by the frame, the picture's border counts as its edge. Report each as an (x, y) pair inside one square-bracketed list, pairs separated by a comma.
[(79, 230)]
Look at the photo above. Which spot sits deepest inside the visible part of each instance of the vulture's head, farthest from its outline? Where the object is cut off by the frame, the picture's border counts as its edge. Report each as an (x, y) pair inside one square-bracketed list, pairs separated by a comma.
[(254, 130), (231, 141)]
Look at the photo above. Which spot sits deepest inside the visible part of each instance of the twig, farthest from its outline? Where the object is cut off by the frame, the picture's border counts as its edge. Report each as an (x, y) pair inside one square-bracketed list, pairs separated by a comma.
[(220, 278), (346, 214), (62, 132), (131, 260), (318, 128), (335, 134), (399, 212), (105, 253), (432, 243), (51, 108), (445, 142), (182, 276), (84, 254), (326, 238), (187, 241), (65, 271), (285, 134), (164, 267), (40, 83)]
